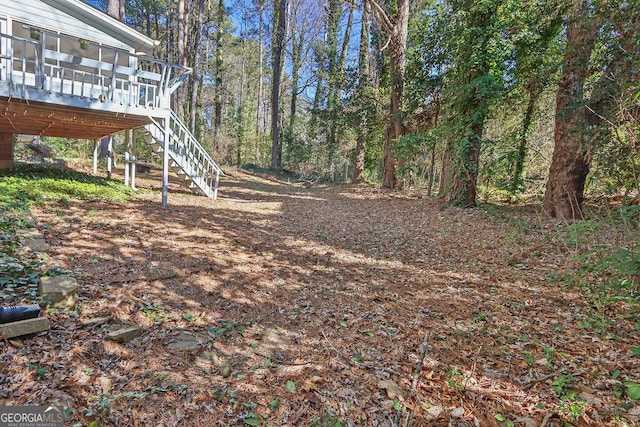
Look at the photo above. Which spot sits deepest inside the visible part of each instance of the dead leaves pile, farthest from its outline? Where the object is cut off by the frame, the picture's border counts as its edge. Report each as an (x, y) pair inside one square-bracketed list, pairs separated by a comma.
[(280, 305)]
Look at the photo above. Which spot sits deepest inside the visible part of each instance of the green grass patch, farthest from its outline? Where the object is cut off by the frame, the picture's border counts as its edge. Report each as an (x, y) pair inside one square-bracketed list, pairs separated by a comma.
[(26, 185)]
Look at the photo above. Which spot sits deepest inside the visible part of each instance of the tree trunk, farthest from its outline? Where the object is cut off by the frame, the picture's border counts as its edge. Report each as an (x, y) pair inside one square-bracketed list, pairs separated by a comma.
[(432, 162), (363, 72), (217, 119), (398, 32), (517, 181), (298, 34), (472, 93), (113, 8), (570, 163), (182, 23), (445, 173), (194, 117), (122, 10), (464, 183), (278, 47), (259, 109), (333, 19), (147, 17)]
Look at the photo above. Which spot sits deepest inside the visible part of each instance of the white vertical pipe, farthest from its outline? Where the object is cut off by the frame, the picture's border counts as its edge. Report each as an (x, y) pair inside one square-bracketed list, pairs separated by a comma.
[(109, 156), (133, 158), (95, 156), (126, 168), (165, 163)]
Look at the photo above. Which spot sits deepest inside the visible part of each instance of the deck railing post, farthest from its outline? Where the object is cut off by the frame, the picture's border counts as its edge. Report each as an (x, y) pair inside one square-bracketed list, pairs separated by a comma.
[(40, 66), (112, 95)]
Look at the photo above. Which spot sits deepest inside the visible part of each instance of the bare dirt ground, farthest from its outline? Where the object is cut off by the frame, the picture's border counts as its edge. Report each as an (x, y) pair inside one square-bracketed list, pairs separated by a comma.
[(288, 306)]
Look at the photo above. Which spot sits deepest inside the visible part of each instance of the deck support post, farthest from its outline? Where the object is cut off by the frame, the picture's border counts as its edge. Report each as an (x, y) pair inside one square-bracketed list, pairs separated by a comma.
[(132, 150), (215, 189), (110, 156), (126, 168), (165, 163), (95, 156), (127, 158), (6, 151)]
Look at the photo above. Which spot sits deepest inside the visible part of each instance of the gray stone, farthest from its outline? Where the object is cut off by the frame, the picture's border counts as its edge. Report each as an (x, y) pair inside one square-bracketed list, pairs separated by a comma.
[(24, 327), (28, 233), (185, 342), (59, 291), (125, 334), (36, 245), (96, 321), (31, 238)]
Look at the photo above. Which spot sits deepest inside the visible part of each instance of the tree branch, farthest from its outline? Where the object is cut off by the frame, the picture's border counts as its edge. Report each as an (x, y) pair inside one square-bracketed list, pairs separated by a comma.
[(381, 16)]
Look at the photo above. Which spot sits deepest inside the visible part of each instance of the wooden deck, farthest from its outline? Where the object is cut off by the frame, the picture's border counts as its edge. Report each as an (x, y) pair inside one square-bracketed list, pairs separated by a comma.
[(45, 119), (89, 93)]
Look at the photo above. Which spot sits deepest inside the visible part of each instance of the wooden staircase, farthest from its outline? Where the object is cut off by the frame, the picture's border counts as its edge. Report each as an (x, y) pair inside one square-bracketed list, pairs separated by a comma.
[(187, 158)]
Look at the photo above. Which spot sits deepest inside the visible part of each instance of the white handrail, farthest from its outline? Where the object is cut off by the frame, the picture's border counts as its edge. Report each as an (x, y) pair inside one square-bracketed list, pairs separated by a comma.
[(187, 153)]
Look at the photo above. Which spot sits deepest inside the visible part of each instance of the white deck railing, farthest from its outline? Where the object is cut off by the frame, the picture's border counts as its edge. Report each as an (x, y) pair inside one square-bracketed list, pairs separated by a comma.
[(30, 64)]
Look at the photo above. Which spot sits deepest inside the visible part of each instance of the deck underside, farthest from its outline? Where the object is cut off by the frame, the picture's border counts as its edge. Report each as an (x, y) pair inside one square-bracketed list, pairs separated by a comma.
[(34, 118)]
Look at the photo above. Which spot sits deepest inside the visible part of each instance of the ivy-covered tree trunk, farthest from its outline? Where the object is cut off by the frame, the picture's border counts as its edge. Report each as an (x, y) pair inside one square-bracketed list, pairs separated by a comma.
[(398, 59), (471, 91), (570, 163)]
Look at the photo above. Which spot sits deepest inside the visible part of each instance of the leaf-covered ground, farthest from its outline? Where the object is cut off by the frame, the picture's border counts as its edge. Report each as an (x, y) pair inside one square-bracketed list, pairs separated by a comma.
[(323, 306)]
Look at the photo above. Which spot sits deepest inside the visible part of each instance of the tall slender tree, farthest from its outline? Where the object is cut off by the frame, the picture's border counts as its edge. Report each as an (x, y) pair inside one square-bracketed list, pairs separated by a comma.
[(219, 67), (396, 27), (363, 86), (277, 56)]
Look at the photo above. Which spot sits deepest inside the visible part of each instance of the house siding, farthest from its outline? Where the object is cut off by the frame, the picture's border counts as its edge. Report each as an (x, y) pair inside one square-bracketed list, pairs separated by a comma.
[(41, 15)]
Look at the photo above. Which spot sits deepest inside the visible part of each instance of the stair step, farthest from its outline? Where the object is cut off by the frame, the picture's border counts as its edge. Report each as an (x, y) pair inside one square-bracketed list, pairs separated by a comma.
[(187, 165)]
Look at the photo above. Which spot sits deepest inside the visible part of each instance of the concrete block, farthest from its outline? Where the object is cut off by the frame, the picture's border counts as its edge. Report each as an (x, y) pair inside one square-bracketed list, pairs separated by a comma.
[(59, 291), (24, 327), (125, 334)]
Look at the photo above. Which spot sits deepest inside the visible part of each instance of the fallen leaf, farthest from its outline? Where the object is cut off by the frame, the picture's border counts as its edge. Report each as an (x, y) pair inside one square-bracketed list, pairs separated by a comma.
[(393, 390)]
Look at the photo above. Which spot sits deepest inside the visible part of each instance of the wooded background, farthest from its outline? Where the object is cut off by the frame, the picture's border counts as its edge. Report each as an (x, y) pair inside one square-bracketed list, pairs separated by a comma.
[(458, 96)]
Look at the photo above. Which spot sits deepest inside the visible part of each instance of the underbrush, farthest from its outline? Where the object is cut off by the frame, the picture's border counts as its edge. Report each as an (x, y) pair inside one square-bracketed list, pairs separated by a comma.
[(23, 187), (606, 259), (26, 184)]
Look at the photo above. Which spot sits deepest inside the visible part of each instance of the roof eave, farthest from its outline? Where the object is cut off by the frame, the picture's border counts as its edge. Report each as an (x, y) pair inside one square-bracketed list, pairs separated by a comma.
[(106, 23)]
